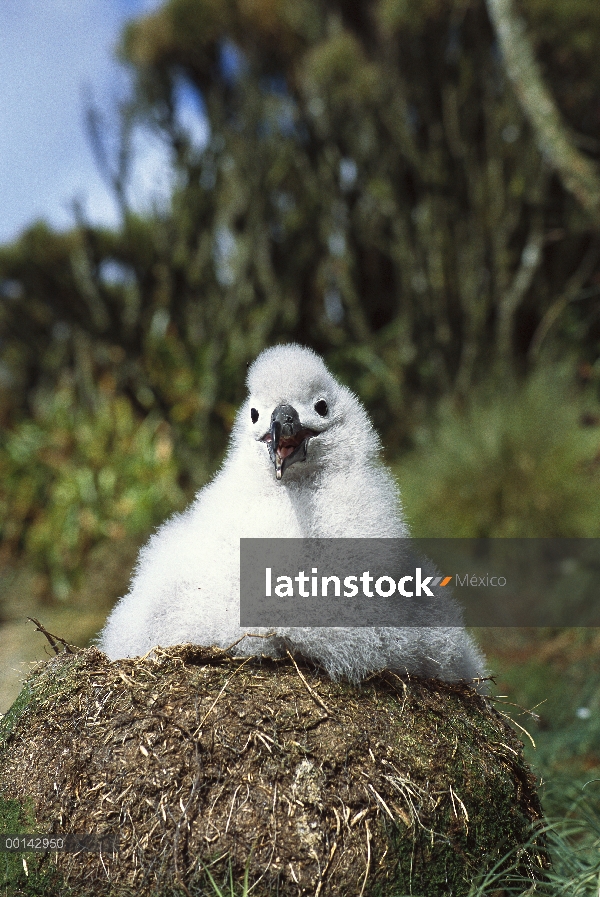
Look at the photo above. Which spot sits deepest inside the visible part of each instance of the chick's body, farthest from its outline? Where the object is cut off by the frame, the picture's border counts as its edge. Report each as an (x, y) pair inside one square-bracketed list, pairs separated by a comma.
[(332, 485)]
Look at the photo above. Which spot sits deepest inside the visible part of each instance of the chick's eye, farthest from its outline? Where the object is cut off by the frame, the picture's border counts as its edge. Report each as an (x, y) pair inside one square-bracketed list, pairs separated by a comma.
[(254, 415), (321, 407)]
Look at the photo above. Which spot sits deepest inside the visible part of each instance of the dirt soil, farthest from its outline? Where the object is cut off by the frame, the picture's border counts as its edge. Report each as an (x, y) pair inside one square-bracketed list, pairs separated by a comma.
[(204, 765)]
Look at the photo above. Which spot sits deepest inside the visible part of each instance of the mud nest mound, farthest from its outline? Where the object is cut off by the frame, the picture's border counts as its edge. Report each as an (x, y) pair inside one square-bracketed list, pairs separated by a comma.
[(209, 766)]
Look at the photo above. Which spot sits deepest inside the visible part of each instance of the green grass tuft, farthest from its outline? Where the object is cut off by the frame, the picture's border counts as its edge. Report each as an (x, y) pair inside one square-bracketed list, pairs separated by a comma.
[(25, 874)]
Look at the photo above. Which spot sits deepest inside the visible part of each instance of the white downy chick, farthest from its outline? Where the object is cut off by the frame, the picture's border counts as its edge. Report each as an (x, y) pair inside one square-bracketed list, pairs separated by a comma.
[(303, 461)]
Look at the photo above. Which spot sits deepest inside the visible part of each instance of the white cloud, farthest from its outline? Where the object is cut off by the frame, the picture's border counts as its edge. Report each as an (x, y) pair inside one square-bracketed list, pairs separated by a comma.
[(152, 175), (191, 114)]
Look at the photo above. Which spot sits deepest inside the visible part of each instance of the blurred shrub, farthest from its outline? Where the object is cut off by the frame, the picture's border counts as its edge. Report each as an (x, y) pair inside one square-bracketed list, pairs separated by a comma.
[(556, 671), (511, 464), (71, 476)]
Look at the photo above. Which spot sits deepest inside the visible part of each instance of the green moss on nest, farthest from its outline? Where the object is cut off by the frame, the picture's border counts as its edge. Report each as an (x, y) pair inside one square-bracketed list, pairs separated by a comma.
[(38, 690), (197, 758)]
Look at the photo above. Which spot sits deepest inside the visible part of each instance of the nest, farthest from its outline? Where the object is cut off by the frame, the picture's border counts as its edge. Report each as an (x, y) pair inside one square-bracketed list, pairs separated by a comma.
[(210, 768)]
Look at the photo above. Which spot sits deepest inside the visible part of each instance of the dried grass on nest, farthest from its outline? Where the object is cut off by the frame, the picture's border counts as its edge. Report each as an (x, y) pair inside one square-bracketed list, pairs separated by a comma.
[(196, 758)]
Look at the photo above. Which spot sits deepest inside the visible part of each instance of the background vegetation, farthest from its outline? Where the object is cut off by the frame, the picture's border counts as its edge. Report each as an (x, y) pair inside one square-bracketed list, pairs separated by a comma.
[(371, 187)]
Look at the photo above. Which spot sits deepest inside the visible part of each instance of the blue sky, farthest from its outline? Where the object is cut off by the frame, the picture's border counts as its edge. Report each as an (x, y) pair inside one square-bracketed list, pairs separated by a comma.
[(51, 53)]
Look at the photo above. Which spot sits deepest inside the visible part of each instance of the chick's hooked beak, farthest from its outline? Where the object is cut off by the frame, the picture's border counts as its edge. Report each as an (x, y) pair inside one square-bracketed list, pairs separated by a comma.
[(287, 439)]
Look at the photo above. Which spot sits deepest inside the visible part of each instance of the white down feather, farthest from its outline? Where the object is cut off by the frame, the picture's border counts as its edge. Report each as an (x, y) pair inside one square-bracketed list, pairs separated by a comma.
[(185, 587)]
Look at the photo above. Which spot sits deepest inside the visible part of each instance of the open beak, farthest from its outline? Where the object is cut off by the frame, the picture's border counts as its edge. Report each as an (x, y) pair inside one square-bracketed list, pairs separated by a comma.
[(287, 439)]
